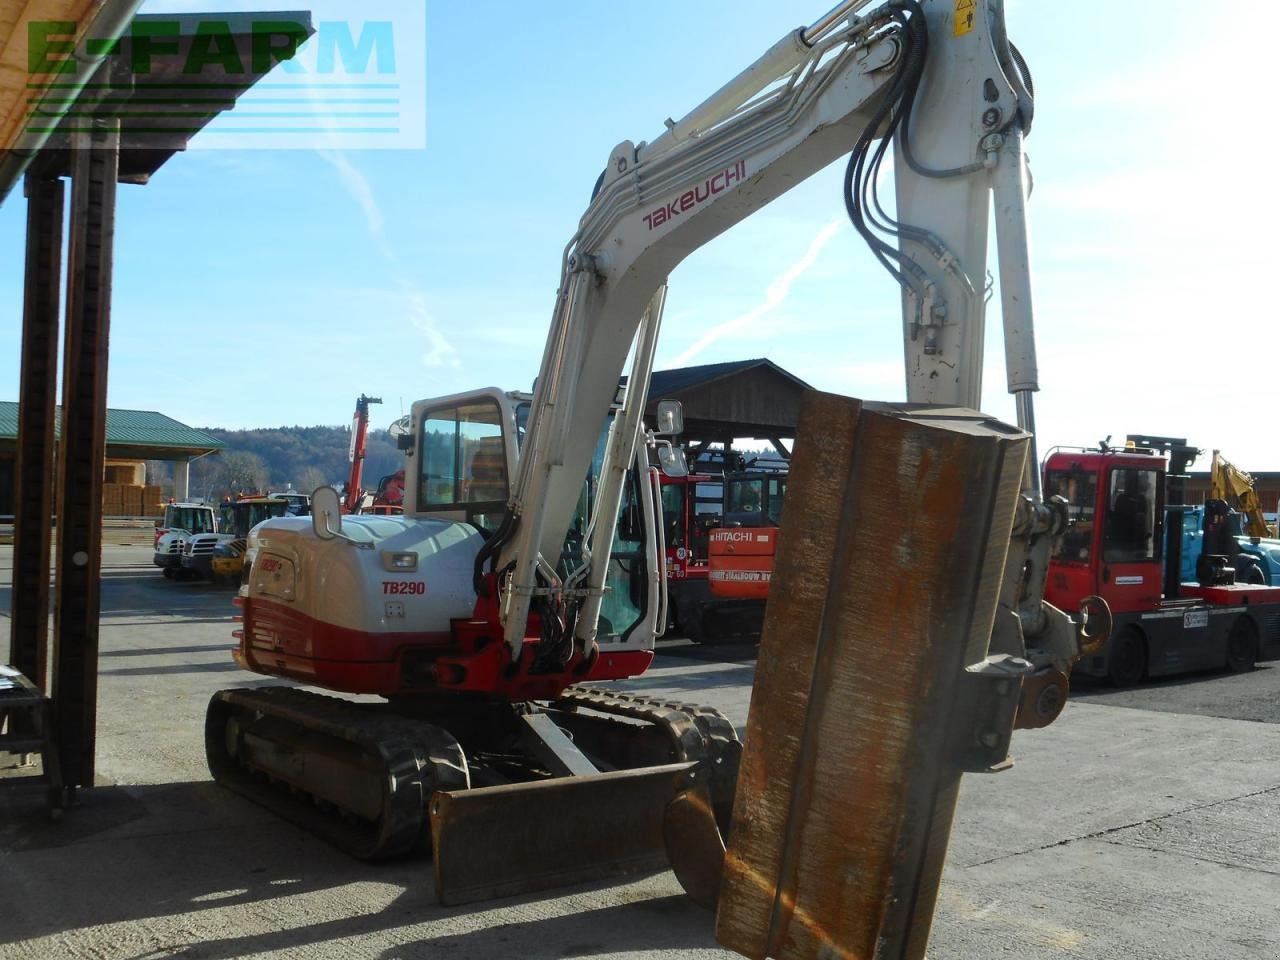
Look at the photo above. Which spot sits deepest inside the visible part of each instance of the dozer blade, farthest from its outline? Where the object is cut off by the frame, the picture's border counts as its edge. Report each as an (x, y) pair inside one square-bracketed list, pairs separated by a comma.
[(523, 837)]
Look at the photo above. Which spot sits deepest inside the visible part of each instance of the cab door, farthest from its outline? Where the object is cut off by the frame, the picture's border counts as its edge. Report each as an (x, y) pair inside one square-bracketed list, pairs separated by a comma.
[(1130, 571), (1073, 570)]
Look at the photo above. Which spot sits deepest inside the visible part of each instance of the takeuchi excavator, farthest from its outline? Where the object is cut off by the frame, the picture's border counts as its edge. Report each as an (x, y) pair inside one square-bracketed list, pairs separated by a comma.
[(527, 567)]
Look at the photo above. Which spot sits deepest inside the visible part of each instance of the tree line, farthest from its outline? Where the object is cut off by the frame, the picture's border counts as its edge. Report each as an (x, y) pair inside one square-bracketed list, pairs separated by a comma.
[(254, 461)]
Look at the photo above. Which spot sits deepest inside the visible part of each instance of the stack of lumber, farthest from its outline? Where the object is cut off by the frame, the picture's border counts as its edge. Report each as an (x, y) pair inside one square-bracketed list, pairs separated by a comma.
[(113, 499), (152, 501), (132, 500)]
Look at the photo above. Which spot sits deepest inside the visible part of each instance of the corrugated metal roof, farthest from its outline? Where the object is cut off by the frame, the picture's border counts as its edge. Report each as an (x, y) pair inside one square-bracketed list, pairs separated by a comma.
[(8, 420), (130, 428)]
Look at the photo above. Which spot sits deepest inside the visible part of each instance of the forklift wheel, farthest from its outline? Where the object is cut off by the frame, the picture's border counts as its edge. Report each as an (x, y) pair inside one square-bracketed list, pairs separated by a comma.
[(1128, 661), (168, 573), (1242, 646)]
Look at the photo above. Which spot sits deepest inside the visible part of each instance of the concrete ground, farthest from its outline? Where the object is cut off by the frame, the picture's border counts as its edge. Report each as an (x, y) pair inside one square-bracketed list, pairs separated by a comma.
[(1142, 825)]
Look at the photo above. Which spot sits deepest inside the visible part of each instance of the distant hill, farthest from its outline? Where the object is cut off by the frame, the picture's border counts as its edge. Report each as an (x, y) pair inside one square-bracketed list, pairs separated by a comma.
[(305, 457)]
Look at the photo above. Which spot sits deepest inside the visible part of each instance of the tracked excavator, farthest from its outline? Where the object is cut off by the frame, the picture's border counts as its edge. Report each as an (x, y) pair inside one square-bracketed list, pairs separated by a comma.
[(527, 569)]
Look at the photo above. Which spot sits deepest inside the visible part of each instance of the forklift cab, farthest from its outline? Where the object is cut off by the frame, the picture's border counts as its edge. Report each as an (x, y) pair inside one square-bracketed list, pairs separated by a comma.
[(1114, 543)]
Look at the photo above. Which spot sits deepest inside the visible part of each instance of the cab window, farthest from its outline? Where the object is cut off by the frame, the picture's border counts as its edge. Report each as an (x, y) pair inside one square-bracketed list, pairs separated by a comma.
[(265, 511), (1130, 532), (744, 496), (464, 462), (777, 491), (191, 519), (673, 507), (626, 583), (1080, 490)]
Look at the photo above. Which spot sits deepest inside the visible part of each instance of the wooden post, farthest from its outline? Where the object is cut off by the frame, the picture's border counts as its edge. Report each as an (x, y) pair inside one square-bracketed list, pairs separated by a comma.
[(82, 452), (33, 506)]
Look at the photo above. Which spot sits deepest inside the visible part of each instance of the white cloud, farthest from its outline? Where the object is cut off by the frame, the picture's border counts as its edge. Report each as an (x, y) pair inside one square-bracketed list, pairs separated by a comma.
[(440, 351), (358, 186), (775, 294)]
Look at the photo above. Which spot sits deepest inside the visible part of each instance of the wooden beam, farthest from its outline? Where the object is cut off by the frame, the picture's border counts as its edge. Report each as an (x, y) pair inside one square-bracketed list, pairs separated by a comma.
[(33, 473), (82, 451)]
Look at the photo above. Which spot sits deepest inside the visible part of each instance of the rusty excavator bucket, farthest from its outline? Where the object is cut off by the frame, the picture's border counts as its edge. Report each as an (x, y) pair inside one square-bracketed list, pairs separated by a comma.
[(874, 691)]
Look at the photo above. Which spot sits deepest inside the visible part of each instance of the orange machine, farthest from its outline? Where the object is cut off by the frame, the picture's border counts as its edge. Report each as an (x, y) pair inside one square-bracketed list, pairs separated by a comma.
[(742, 550)]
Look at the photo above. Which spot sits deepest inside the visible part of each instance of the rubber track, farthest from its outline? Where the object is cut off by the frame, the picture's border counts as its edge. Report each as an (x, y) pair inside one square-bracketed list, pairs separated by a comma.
[(716, 743), (416, 759)]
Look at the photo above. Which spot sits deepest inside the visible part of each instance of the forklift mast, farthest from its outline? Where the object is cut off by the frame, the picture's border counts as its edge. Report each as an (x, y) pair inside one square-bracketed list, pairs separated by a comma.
[(1181, 456)]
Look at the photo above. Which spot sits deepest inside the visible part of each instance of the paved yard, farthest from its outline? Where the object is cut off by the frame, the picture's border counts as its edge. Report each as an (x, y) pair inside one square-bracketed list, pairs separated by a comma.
[(1144, 824)]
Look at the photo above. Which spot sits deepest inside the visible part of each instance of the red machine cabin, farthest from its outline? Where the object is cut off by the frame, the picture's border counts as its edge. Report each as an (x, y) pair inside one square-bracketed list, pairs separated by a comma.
[(704, 610), (742, 552), (1117, 545)]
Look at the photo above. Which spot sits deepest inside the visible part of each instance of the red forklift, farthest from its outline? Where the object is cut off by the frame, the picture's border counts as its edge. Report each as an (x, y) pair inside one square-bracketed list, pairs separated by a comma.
[(1122, 544)]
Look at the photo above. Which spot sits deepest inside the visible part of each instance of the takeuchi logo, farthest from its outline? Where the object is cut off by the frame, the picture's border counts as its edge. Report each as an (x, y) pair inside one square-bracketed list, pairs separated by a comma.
[(698, 195)]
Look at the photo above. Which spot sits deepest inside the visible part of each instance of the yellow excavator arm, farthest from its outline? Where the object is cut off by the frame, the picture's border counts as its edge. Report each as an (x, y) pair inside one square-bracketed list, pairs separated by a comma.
[(1228, 482)]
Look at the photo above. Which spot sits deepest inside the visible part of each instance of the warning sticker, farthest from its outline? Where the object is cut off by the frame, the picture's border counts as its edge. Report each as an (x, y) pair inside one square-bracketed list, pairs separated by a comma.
[(966, 14)]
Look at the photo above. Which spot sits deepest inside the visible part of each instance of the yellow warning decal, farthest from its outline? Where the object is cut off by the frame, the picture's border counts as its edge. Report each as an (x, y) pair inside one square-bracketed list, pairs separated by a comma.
[(966, 14)]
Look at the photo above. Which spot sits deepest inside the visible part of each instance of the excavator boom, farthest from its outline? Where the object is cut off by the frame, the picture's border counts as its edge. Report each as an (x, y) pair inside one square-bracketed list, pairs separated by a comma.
[(359, 442), (1228, 482), (953, 104)]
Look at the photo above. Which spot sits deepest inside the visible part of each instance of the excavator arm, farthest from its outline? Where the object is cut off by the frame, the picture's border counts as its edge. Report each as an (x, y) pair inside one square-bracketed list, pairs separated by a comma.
[(359, 441), (1228, 482), (952, 97)]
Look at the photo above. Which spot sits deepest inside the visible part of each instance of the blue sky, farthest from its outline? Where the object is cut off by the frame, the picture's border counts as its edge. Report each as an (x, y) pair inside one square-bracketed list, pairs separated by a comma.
[(260, 288)]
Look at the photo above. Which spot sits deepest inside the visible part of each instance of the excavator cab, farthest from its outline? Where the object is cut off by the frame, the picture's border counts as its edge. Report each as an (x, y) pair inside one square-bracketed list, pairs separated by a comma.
[(464, 449), (754, 499)]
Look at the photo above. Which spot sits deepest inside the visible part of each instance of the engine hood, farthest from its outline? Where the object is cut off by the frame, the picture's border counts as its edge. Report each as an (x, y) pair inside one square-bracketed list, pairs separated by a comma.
[(354, 585)]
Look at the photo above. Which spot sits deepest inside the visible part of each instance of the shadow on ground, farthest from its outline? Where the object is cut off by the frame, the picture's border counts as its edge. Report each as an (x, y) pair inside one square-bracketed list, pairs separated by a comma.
[(653, 923), (709, 653), (214, 877), (698, 683)]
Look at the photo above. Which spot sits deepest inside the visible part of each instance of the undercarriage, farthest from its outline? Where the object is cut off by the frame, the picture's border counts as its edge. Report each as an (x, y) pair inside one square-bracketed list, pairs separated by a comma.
[(518, 797)]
